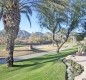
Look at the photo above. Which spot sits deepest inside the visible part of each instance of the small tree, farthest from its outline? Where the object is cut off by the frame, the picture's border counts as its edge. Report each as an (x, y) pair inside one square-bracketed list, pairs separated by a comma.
[(81, 43), (52, 23), (81, 40)]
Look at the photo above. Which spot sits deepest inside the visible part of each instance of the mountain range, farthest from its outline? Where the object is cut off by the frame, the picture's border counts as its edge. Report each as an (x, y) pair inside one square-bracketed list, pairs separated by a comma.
[(25, 34)]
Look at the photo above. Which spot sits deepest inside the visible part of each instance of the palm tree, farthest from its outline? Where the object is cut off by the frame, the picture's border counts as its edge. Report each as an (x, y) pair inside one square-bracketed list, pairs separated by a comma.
[(10, 14)]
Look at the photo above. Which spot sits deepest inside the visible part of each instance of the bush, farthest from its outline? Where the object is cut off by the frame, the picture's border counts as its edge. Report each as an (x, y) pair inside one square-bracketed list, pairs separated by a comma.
[(73, 69)]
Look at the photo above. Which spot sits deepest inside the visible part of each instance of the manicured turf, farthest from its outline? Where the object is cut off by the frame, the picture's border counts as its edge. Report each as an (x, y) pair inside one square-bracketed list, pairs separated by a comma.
[(49, 67), (2, 47)]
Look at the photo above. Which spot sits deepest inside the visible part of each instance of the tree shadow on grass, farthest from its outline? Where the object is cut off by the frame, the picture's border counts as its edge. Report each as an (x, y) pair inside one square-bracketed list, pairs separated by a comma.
[(34, 63), (33, 50), (38, 62)]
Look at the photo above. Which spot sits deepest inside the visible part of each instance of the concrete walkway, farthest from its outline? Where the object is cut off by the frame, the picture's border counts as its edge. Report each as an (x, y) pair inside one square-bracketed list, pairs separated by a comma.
[(2, 60), (80, 60)]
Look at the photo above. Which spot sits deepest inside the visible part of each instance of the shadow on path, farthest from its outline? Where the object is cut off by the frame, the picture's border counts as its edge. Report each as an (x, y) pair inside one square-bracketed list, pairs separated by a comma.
[(33, 50)]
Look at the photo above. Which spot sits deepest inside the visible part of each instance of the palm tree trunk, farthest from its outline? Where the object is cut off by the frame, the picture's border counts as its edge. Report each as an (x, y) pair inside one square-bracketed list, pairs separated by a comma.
[(11, 21), (10, 52), (7, 45)]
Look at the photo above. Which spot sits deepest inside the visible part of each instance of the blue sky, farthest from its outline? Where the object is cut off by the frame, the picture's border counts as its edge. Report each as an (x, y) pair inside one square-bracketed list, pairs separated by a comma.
[(24, 25)]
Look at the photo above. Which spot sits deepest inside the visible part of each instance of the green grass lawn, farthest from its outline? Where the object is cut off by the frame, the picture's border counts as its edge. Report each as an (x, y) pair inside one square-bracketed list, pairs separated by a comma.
[(48, 67), (21, 45), (2, 47)]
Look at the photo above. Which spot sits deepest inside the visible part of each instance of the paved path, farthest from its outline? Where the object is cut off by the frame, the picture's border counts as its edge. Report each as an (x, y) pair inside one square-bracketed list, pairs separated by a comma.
[(2, 60), (80, 60), (32, 55)]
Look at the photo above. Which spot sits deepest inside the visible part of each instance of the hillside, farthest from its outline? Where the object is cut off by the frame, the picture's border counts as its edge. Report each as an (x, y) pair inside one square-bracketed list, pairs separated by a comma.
[(21, 34), (25, 37)]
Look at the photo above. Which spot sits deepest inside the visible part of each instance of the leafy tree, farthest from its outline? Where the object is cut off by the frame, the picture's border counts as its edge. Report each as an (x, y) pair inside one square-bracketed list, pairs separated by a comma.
[(52, 21), (71, 17)]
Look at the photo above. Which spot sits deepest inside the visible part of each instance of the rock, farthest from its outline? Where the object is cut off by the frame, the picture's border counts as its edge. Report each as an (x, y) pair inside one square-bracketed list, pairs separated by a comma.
[(84, 79), (68, 57), (78, 53), (83, 53)]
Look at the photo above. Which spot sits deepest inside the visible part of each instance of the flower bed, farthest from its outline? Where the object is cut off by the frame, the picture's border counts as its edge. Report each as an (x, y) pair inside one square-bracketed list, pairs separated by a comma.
[(73, 69)]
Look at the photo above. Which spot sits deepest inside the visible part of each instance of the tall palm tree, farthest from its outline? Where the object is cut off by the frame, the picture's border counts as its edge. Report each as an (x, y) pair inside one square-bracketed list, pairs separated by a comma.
[(10, 14)]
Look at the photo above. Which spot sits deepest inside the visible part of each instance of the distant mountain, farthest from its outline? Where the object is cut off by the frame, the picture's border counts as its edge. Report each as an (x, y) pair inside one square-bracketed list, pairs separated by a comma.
[(24, 37), (2, 33), (23, 34), (38, 33), (48, 34)]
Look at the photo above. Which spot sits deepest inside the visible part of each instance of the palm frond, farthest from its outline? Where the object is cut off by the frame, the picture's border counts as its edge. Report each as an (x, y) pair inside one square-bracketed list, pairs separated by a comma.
[(28, 19), (1, 13), (27, 8), (23, 11)]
